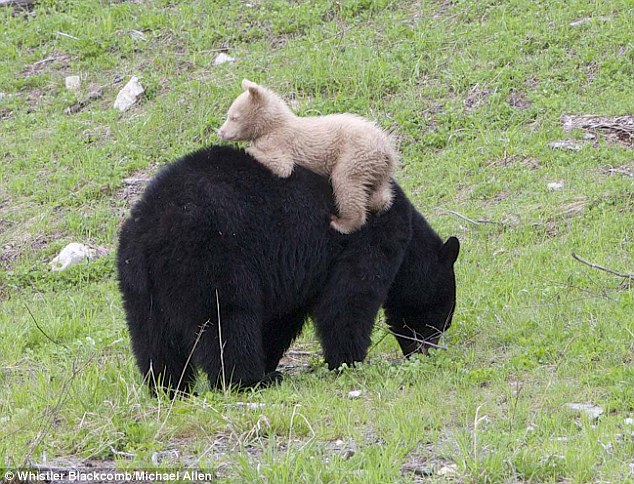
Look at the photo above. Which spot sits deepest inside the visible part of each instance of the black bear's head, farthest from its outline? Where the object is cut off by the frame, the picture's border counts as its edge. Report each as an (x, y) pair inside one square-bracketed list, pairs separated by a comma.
[(421, 302)]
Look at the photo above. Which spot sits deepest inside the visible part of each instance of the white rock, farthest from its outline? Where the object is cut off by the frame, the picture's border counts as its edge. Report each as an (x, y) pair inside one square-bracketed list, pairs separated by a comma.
[(73, 83), (137, 35), (74, 253), (3, 95), (354, 394), (629, 421), (587, 20), (554, 186), (223, 58), (448, 470), (591, 410), (577, 23), (565, 144), (129, 95)]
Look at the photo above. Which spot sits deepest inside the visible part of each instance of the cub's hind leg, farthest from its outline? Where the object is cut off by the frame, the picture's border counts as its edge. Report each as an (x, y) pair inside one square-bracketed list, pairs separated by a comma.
[(351, 199), (381, 198)]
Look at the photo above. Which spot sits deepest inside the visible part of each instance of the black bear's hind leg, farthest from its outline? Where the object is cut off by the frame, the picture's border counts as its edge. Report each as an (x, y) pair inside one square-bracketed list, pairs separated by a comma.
[(239, 360), (163, 367)]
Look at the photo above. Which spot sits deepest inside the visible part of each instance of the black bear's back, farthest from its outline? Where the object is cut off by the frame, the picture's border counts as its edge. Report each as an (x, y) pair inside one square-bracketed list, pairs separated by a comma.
[(218, 218)]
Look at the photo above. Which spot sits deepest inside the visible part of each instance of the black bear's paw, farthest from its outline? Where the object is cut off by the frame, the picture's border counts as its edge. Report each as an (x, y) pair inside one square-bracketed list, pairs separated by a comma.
[(273, 378)]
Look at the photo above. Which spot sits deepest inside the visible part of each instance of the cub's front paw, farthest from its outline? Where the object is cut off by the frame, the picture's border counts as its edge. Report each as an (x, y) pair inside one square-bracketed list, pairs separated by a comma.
[(342, 226), (252, 152)]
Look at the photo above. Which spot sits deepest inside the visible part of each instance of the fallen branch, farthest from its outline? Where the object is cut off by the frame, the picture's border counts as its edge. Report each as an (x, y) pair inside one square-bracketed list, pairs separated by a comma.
[(601, 268), (480, 221), (459, 215)]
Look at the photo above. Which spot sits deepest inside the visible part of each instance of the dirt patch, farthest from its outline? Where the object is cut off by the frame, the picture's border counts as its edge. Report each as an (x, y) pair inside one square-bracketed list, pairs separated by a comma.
[(519, 100), (133, 186), (13, 250), (623, 170), (57, 61), (497, 198), (615, 129), (576, 207), (296, 360), (477, 97), (423, 465), (5, 114)]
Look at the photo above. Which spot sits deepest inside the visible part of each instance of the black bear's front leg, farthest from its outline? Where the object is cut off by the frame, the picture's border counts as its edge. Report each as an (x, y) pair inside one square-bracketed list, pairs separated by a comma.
[(357, 285), (344, 318)]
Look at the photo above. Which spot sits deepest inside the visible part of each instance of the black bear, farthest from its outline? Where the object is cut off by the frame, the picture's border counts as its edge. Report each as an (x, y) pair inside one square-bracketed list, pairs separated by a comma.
[(216, 238)]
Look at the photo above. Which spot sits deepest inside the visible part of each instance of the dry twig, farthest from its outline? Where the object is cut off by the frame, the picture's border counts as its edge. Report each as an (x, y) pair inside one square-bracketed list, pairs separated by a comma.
[(480, 221), (601, 268)]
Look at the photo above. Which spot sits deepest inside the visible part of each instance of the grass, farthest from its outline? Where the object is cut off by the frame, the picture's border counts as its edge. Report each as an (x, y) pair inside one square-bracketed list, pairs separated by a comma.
[(475, 92)]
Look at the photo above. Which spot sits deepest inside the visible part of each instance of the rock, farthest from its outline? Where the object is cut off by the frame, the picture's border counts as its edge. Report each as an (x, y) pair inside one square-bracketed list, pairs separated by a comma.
[(75, 253), (354, 394), (592, 411), (554, 186), (164, 456), (448, 470), (418, 469), (577, 23), (587, 20), (73, 83), (3, 95), (347, 453), (566, 144), (629, 421), (137, 35), (223, 58), (129, 95)]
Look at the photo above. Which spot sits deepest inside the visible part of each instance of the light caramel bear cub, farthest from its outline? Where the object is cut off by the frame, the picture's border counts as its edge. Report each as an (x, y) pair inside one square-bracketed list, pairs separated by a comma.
[(357, 155)]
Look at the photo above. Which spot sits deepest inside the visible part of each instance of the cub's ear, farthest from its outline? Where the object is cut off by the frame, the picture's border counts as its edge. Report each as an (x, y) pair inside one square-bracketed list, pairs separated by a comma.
[(449, 251), (254, 89)]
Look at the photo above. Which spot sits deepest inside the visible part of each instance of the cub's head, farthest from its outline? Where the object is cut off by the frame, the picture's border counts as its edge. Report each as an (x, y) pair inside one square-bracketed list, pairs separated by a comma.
[(421, 302), (253, 114)]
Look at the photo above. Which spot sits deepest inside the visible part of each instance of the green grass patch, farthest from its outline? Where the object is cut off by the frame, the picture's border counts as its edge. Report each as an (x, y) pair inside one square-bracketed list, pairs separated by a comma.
[(475, 92)]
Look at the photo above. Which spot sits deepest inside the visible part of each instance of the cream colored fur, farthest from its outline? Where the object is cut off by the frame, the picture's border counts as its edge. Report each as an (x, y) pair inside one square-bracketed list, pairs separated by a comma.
[(357, 155)]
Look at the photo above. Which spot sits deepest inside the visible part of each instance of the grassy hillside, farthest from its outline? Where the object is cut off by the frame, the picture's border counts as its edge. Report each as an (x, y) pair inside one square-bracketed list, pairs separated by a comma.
[(476, 92)]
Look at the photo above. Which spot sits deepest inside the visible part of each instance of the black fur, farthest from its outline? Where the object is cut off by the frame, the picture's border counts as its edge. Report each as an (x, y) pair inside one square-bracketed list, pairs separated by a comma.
[(216, 225)]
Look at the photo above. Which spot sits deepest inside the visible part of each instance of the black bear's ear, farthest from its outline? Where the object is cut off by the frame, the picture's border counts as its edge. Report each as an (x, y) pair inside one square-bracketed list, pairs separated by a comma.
[(449, 251)]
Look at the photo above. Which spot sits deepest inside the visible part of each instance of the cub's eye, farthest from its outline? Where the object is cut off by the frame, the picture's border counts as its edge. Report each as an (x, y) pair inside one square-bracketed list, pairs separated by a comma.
[(234, 118)]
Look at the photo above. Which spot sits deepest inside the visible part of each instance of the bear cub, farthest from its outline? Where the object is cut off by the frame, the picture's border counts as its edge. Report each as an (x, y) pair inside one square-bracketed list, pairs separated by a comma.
[(357, 155)]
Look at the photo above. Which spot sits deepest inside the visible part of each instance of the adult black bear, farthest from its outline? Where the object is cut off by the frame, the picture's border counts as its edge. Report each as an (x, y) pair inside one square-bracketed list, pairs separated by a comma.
[(216, 226)]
